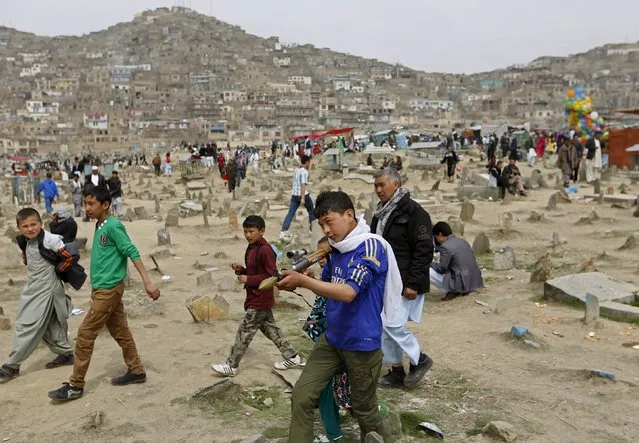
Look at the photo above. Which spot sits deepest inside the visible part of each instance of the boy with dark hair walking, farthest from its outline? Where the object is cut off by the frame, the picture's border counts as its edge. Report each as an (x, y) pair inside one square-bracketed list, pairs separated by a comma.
[(363, 286), (260, 265), (44, 307), (111, 248)]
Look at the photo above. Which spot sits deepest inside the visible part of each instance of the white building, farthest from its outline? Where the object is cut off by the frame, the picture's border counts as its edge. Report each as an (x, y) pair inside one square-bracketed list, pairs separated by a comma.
[(40, 107), (96, 121), (281, 61), (234, 96), (300, 80), (32, 70), (423, 104), (341, 85), (142, 67)]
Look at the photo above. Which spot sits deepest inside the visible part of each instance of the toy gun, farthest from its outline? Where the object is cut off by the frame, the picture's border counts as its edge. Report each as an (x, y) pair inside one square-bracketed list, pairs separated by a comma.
[(299, 262)]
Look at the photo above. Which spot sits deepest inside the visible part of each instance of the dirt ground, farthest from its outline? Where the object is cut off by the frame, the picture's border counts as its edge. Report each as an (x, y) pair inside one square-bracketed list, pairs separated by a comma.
[(480, 374)]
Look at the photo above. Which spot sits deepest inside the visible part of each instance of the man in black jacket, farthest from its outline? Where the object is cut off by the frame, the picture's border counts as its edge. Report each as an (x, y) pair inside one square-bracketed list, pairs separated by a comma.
[(407, 227), (64, 225), (115, 188)]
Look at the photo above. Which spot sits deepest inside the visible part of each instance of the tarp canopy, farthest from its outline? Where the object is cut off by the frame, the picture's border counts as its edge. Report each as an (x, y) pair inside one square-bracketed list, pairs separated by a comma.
[(634, 148), (326, 133)]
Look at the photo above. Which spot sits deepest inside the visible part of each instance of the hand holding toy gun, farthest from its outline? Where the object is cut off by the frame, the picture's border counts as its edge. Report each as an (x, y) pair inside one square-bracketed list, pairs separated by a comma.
[(300, 261)]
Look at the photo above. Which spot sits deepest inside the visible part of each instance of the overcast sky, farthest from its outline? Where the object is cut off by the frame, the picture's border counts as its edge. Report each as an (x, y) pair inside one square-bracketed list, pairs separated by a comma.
[(433, 35)]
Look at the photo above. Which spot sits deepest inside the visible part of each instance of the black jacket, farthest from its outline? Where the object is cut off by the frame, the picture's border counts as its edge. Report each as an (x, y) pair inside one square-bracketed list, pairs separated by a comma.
[(66, 228), (591, 148), (115, 187), (409, 231), (101, 181)]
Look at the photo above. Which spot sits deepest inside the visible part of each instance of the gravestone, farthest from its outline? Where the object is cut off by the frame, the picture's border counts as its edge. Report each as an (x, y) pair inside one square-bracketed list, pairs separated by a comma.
[(597, 187), (233, 224), (156, 199), (457, 226), (164, 237), (129, 215), (140, 212), (140, 180), (200, 196), (536, 179), (481, 244), (467, 211), (205, 213), (536, 217), (505, 260), (172, 219), (435, 186), (542, 269), (368, 216), (552, 202), (631, 243), (505, 222), (592, 309), (425, 176), (188, 195), (264, 209), (556, 240), (205, 279)]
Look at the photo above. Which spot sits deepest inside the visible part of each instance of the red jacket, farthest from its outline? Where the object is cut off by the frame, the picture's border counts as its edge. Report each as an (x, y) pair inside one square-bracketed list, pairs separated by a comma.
[(260, 264)]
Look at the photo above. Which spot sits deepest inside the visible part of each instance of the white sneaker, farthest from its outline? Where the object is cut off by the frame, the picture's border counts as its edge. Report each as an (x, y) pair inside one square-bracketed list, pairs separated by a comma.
[(289, 364), (285, 235), (225, 369)]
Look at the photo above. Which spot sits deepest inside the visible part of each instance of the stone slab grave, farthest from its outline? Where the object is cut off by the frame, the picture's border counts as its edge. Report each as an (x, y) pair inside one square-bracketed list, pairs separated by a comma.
[(483, 192), (613, 296), (614, 198), (195, 185)]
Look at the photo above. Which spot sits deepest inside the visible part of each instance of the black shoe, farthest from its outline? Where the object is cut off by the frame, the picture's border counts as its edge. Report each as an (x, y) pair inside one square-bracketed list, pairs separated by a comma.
[(394, 379), (416, 373), (66, 393), (450, 296), (7, 373), (128, 378), (61, 360)]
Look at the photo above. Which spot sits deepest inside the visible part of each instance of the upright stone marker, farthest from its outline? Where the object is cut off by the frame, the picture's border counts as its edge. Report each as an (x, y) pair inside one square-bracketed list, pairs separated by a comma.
[(164, 237), (592, 309), (467, 212)]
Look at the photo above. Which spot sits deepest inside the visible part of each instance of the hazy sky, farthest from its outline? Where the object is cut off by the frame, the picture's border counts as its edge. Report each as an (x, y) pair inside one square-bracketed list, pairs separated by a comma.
[(433, 35)]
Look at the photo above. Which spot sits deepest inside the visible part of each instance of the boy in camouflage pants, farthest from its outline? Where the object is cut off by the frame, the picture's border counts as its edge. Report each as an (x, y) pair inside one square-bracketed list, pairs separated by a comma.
[(260, 265)]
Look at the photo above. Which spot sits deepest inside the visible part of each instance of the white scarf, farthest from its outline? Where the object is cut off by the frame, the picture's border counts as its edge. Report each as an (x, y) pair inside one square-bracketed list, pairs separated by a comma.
[(393, 286)]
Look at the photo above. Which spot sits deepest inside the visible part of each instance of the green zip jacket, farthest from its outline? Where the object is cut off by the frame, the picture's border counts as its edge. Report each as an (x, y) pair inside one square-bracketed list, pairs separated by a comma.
[(111, 247)]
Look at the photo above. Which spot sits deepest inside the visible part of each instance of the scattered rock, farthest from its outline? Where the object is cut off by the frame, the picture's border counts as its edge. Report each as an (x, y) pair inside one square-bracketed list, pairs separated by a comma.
[(542, 270), (631, 243), (501, 430), (221, 255), (202, 308), (536, 217), (592, 217), (222, 390), (96, 419), (467, 212), (268, 402), (10, 257), (587, 266), (164, 237), (374, 437), (5, 323), (481, 244), (505, 260), (81, 243), (621, 205)]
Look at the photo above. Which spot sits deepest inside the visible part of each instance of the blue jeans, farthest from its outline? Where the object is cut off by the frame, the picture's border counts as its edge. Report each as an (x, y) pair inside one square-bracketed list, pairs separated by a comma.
[(296, 200), (48, 205)]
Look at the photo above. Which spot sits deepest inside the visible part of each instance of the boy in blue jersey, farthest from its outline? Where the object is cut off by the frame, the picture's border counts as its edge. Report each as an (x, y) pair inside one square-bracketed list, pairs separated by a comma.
[(353, 281)]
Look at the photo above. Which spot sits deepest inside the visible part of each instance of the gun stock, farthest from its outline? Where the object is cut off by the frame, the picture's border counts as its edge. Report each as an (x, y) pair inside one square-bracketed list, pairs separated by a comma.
[(299, 265)]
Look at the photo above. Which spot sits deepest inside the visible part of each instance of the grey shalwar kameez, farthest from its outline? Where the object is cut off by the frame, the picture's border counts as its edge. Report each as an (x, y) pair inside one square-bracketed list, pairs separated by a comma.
[(44, 307)]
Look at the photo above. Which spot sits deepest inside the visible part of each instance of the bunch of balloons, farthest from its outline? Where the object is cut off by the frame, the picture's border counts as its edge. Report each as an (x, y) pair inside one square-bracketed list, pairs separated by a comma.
[(581, 117)]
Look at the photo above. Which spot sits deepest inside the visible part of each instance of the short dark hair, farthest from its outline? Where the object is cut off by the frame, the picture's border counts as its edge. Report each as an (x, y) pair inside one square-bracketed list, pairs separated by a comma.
[(254, 221), (49, 175), (442, 228), (114, 172), (101, 193), (332, 201), (304, 159), (25, 213)]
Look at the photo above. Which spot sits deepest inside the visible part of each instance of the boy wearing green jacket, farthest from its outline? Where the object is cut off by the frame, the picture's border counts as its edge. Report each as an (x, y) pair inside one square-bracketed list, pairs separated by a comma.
[(111, 249)]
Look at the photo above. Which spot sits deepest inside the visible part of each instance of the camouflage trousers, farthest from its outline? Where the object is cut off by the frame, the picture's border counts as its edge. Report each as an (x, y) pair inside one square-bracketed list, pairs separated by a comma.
[(252, 322)]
